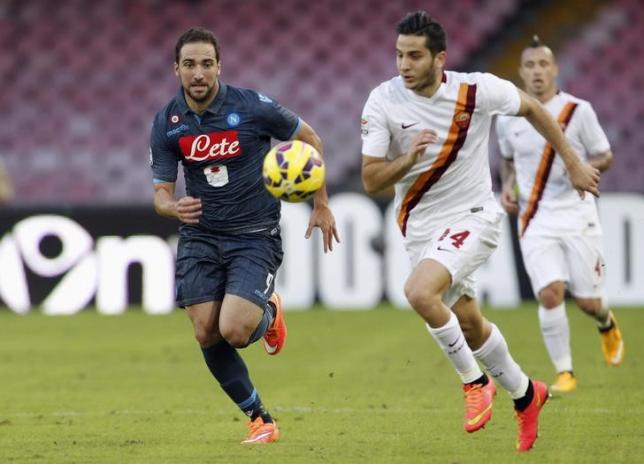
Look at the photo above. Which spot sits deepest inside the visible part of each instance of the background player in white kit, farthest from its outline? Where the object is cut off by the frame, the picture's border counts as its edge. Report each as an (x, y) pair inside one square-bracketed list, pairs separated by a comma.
[(426, 132), (560, 234)]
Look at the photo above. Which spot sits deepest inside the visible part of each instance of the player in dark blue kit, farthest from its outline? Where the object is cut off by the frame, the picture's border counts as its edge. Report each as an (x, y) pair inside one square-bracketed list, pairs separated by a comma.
[(230, 246)]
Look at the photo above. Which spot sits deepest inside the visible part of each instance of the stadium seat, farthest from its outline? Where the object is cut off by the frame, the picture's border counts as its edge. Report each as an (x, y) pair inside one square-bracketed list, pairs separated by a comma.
[(322, 64)]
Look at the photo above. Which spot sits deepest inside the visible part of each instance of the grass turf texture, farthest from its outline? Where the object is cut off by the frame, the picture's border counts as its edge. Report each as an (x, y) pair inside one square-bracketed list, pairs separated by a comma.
[(349, 387)]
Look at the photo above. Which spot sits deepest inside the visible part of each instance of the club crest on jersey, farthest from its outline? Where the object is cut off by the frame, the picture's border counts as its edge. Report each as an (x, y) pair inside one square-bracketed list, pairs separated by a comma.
[(462, 119), (233, 120), (174, 118), (212, 146)]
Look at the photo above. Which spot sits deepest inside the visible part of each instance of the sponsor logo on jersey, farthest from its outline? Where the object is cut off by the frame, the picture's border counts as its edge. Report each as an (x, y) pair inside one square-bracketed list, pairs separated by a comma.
[(212, 146), (233, 120), (462, 119), (407, 126), (177, 130)]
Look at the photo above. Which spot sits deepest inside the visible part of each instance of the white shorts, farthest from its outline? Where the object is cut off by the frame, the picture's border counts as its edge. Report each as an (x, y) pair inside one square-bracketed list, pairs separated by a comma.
[(577, 260), (461, 244)]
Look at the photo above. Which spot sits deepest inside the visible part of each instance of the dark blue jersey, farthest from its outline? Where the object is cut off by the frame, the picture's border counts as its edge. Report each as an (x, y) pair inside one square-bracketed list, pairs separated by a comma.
[(222, 151)]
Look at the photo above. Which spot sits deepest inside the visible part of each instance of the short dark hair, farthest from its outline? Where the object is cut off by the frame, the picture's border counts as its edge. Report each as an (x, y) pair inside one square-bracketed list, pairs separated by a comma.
[(196, 34), (421, 23), (535, 42)]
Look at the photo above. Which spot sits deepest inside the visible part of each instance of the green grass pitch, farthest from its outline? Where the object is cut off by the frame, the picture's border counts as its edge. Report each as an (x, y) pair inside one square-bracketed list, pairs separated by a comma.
[(349, 387)]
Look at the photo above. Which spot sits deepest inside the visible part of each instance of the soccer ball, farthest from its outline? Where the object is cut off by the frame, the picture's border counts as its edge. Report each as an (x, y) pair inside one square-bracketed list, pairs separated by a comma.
[(293, 171)]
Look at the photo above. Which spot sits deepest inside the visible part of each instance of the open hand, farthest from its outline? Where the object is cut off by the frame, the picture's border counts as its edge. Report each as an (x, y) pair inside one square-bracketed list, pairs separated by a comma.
[(322, 217)]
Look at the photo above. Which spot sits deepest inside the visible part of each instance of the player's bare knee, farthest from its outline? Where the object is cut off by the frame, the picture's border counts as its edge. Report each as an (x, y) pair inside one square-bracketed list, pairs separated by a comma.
[(421, 298), (203, 336), (552, 295), (589, 305), (235, 336)]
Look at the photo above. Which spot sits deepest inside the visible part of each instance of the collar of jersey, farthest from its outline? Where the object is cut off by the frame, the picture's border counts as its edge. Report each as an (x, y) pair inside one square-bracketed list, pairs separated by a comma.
[(212, 108), (554, 98), (422, 98)]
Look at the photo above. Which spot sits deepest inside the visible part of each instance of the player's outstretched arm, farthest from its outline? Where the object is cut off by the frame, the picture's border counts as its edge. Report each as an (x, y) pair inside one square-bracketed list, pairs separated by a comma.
[(584, 177), (186, 209), (321, 216), (379, 173)]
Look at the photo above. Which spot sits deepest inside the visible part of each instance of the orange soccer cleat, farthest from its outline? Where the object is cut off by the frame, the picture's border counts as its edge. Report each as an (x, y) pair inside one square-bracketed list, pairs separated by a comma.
[(528, 419), (275, 336), (478, 405), (564, 383), (612, 343), (261, 432)]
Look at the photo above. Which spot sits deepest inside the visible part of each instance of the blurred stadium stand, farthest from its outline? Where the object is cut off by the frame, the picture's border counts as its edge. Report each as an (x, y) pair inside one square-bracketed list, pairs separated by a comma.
[(604, 64), (82, 80)]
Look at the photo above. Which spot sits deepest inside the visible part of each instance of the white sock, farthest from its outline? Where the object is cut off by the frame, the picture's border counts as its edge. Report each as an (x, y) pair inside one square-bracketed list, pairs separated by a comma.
[(556, 336), (497, 360), (452, 341)]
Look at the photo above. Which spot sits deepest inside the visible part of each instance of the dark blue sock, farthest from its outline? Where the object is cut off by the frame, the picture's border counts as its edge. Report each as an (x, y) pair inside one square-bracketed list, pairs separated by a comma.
[(229, 369), (264, 324)]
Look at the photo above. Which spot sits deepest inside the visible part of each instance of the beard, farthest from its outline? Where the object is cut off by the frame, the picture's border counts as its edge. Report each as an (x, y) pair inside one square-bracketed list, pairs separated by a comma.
[(204, 97), (428, 81)]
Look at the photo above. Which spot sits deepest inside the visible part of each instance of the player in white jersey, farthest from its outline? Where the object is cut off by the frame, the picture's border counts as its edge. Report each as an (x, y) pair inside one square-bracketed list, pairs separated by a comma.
[(426, 132), (560, 233)]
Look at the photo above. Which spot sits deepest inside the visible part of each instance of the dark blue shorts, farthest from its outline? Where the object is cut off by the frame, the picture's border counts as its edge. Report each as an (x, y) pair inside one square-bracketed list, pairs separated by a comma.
[(210, 266)]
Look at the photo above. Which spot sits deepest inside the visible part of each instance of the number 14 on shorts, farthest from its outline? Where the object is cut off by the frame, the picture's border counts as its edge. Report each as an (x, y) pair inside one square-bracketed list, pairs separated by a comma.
[(457, 238)]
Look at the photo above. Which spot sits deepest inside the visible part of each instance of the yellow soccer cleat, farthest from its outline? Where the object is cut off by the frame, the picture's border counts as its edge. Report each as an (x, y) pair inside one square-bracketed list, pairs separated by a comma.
[(612, 343), (564, 383), (261, 432)]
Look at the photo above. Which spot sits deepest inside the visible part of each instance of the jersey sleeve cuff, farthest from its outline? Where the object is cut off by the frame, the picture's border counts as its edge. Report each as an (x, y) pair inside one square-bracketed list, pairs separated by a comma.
[(296, 130)]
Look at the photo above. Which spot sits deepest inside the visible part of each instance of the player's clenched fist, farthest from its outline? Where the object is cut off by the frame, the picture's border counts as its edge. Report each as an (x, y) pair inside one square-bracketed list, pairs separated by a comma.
[(585, 178), (189, 210)]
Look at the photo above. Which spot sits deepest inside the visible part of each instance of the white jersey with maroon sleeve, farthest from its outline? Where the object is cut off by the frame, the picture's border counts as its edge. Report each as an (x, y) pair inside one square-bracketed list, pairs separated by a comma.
[(453, 176), (549, 206)]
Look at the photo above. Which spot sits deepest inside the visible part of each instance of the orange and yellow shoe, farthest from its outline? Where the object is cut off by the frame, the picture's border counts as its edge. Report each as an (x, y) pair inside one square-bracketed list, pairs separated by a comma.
[(275, 336), (478, 405), (528, 419), (612, 343), (261, 432), (564, 383)]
